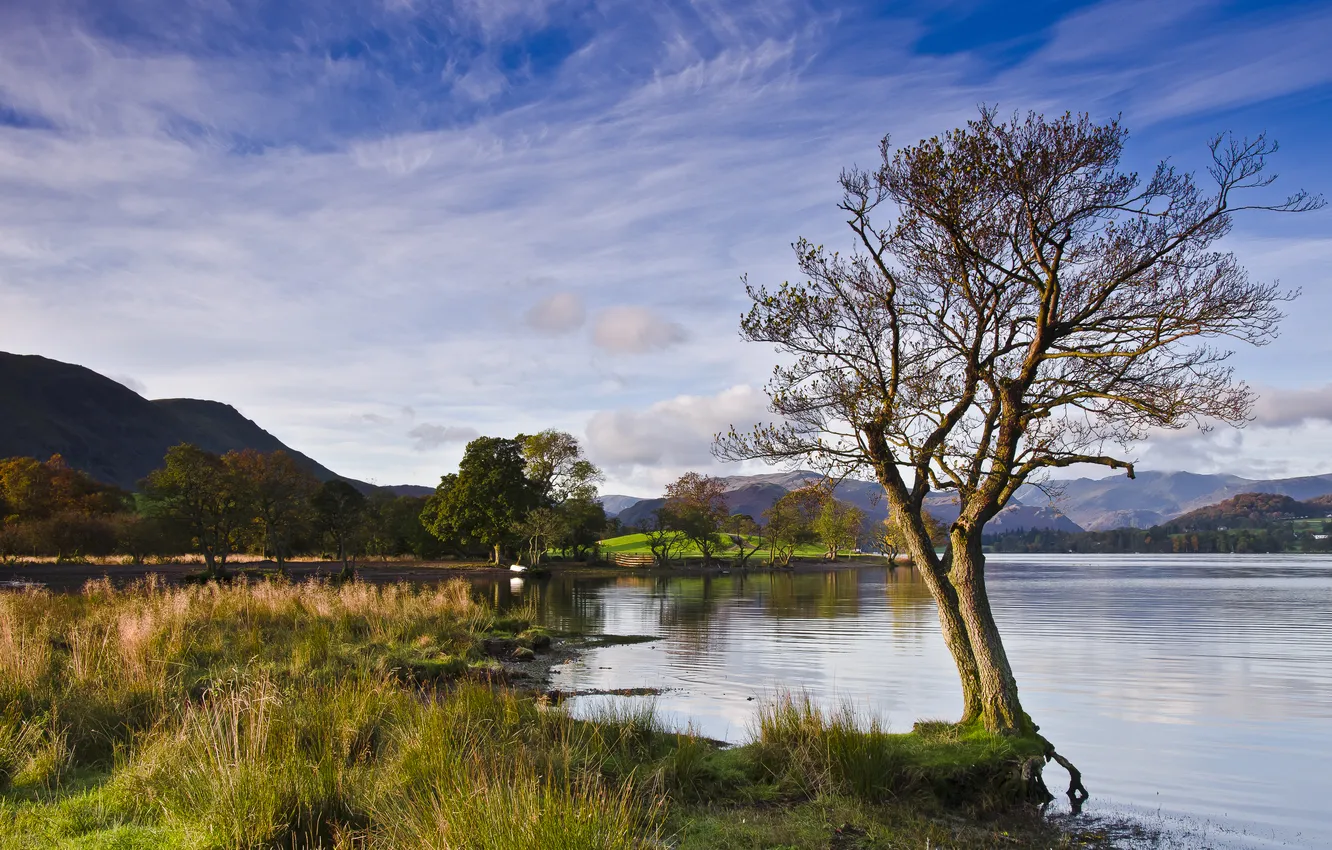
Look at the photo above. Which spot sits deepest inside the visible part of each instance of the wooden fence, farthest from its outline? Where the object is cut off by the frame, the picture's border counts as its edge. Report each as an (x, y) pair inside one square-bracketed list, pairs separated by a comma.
[(624, 559)]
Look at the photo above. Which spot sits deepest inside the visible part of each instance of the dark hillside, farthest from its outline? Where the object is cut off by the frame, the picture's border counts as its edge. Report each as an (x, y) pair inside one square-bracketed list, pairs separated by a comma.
[(109, 431)]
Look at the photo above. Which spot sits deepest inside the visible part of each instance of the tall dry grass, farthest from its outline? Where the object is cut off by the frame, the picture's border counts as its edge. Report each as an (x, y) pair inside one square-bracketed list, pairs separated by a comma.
[(285, 715)]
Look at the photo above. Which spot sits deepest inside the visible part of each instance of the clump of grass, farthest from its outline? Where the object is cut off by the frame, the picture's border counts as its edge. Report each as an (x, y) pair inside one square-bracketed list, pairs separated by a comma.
[(249, 766), (485, 769), (34, 753), (817, 751)]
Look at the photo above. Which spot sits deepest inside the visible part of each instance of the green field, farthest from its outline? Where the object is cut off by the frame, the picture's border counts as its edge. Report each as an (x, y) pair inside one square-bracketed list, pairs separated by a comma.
[(637, 544), (1315, 526)]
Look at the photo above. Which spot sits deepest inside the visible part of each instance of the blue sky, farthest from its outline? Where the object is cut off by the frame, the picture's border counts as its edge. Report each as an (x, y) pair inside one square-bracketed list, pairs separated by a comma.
[(382, 227)]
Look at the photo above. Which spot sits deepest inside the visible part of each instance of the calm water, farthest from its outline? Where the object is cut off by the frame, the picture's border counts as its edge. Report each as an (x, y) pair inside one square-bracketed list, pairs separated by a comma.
[(1195, 692)]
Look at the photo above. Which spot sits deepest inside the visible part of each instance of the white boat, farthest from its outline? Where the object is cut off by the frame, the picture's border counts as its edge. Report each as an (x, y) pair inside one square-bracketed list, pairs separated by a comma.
[(517, 568)]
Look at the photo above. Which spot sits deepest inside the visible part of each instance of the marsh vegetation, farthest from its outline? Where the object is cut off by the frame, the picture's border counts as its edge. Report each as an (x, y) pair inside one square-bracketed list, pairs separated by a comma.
[(310, 715)]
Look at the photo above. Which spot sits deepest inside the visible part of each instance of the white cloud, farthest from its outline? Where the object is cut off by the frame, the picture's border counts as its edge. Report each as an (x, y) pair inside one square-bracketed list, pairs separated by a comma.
[(556, 314), (635, 330), (1277, 407), (676, 432), (428, 436)]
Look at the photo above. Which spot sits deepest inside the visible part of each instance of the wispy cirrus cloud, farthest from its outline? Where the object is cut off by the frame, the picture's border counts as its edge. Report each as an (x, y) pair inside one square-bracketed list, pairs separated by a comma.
[(356, 207)]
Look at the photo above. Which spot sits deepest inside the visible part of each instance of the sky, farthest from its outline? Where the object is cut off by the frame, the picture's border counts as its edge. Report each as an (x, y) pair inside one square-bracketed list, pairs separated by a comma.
[(380, 228)]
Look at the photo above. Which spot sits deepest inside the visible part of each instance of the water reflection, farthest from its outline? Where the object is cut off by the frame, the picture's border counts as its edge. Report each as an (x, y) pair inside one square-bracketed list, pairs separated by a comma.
[(1191, 684)]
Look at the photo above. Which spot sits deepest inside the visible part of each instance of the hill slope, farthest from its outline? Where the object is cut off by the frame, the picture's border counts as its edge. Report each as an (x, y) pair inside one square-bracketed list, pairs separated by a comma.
[(108, 430), (1252, 509), (1098, 504), (754, 494)]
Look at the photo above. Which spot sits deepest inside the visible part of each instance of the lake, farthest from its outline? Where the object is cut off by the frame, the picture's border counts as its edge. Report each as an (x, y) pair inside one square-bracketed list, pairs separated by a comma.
[(1194, 692)]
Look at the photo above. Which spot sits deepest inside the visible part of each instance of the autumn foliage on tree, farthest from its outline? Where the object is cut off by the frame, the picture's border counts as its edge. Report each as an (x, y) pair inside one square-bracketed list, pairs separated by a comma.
[(838, 525), (789, 523), (47, 506)]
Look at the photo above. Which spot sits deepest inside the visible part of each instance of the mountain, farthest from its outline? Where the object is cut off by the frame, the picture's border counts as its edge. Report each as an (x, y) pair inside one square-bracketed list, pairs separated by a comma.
[(1153, 498), (1017, 517), (111, 432), (1252, 509), (614, 503), (414, 490), (639, 514), (754, 494)]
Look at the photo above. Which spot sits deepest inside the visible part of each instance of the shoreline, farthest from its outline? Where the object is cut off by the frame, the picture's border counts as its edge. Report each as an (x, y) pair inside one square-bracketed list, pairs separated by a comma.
[(794, 785), (71, 576)]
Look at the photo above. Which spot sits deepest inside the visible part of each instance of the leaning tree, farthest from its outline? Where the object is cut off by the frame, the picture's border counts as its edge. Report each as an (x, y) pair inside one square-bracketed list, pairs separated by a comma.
[(1016, 302)]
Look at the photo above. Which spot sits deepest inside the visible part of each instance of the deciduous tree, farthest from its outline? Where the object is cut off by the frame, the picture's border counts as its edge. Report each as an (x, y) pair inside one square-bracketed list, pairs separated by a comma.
[(838, 524), (696, 507), (789, 523), (194, 492), (277, 493), (557, 468), (743, 530), (339, 510), (540, 528), (584, 525), (664, 541), (1027, 305), (486, 499)]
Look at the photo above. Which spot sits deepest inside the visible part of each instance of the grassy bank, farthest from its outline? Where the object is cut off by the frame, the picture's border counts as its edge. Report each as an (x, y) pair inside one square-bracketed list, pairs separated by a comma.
[(637, 544), (302, 716)]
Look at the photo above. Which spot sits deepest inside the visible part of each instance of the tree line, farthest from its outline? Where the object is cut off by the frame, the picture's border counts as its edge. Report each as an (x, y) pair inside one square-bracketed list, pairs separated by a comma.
[(218, 506), (518, 498), (531, 492), (1271, 537), (695, 515)]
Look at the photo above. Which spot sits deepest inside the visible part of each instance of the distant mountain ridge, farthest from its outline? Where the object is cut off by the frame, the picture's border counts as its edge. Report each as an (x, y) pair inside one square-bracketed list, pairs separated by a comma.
[(1153, 498), (109, 431), (613, 503), (754, 494)]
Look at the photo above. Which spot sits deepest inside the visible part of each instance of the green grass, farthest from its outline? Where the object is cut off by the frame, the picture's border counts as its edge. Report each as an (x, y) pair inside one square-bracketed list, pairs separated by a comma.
[(636, 544), (272, 715)]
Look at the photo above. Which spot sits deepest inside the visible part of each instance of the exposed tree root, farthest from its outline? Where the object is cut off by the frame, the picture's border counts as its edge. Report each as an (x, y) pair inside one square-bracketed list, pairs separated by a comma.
[(1077, 792)]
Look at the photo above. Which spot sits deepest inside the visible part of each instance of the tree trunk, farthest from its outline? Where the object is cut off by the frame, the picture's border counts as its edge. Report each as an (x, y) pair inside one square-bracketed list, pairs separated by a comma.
[(1000, 709), (955, 633), (956, 637)]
